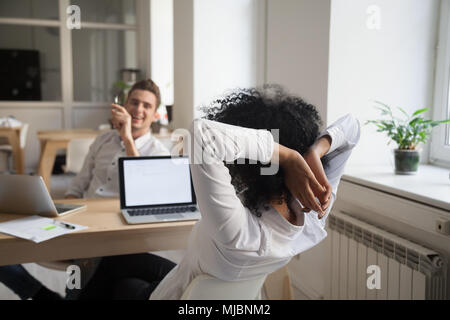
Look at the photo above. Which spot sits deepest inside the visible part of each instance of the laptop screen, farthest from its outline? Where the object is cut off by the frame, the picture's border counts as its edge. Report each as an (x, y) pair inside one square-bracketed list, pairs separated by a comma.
[(154, 181)]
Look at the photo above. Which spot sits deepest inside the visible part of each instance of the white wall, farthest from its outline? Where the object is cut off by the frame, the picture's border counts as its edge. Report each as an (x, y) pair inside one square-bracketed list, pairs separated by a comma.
[(297, 55), (245, 43), (183, 62), (225, 47), (394, 64), (90, 117), (298, 47), (162, 47), (216, 49)]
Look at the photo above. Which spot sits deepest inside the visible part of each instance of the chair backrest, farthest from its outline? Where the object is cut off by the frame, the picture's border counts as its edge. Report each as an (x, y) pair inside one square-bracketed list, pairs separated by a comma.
[(23, 135), (6, 149), (77, 150), (206, 287), (104, 127), (56, 265)]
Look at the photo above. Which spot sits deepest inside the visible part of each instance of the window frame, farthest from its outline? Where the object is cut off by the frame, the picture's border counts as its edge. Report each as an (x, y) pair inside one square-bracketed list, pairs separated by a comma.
[(67, 103), (440, 142)]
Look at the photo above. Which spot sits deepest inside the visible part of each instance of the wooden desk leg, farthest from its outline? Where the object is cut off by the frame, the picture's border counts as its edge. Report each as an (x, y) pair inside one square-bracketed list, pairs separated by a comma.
[(22, 160), (20, 155), (47, 161), (278, 285), (17, 151)]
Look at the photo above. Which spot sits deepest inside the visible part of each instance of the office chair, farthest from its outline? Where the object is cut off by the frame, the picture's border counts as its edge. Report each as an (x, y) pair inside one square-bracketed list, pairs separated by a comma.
[(6, 149), (206, 287), (105, 127), (56, 265), (76, 152)]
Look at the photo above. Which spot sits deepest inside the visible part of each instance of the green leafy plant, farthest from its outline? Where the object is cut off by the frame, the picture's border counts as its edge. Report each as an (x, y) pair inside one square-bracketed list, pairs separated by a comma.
[(121, 85), (407, 132), (121, 91)]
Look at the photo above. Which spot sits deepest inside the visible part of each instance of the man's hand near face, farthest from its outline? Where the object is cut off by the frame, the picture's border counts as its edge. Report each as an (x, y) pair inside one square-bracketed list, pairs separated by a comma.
[(121, 121)]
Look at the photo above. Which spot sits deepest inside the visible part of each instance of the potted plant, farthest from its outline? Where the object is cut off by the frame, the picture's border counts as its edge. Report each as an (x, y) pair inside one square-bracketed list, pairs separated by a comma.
[(408, 133), (122, 89)]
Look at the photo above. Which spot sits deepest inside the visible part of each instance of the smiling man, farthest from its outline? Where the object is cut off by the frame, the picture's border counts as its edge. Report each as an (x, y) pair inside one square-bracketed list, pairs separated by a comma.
[(132, 137), (99, 178)]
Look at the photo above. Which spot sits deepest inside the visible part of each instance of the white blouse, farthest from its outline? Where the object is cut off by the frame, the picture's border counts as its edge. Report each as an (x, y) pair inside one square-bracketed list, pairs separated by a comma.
[(229, 242)]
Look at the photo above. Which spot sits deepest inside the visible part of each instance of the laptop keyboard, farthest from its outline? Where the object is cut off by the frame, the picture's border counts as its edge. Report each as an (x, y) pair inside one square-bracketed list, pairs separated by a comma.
[(62, 210), (152, 211)]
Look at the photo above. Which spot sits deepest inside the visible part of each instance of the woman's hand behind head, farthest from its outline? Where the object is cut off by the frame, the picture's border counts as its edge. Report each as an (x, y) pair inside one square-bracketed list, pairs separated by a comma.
[(300, 179), (312, 158)]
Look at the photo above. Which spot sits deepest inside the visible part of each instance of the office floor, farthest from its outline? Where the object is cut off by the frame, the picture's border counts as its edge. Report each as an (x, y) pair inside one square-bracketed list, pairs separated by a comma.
[(56, 280)]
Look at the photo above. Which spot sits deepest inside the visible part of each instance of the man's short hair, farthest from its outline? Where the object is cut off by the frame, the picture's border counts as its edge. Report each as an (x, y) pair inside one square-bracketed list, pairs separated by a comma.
[(148, 85)]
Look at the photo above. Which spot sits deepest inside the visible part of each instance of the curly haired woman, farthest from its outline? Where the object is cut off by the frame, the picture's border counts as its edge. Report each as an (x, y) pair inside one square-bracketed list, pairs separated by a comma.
[(253, 223)]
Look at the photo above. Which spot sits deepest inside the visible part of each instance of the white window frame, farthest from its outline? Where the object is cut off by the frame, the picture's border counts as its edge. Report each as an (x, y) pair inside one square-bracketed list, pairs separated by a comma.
[(67, 103), (440, 144)]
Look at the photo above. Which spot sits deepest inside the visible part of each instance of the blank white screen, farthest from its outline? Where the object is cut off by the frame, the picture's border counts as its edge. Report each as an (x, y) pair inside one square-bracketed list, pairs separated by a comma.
[(157, 181)]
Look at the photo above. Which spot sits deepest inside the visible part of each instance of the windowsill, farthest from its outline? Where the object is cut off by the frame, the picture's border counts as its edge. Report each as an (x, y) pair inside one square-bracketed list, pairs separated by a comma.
[(430, 186)]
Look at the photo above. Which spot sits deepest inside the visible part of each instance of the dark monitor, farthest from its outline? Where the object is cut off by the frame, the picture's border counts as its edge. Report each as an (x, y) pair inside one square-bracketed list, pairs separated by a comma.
[(20, 75)]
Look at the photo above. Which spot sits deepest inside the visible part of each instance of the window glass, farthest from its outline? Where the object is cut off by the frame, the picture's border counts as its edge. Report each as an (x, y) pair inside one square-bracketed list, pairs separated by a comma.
[(42, 9), (98, 58), (107, 11), (30, 64)]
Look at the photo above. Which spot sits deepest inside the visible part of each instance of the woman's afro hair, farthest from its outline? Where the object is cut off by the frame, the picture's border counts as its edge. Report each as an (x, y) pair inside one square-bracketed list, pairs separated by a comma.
[(269, 107)]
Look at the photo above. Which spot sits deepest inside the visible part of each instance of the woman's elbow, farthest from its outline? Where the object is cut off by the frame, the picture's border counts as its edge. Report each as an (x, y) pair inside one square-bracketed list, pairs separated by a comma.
[(353, 125)]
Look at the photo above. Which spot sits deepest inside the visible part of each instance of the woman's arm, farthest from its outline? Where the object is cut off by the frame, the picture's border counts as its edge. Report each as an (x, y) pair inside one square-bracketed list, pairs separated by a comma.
[(214, 143), (336, 144), (300, 179), (313, 158), (344, 134)]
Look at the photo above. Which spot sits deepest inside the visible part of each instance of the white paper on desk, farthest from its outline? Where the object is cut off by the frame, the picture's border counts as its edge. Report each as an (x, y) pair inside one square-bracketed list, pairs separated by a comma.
[(37, 228)]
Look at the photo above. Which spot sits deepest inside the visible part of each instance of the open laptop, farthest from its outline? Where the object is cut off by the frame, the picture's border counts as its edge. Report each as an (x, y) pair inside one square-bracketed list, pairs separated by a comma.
[(156, 189), (22, 194)]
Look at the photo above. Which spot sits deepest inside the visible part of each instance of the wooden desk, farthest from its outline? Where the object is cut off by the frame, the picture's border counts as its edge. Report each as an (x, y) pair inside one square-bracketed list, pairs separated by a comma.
[(51, 142), (108, 234), (13, 136)]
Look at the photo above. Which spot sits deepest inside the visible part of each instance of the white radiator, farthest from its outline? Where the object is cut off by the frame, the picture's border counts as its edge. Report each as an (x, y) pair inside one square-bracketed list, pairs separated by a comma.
[(407, 270)]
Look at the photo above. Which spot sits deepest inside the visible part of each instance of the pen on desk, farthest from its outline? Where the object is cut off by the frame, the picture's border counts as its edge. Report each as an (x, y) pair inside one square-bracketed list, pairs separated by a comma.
[(65, 225)]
